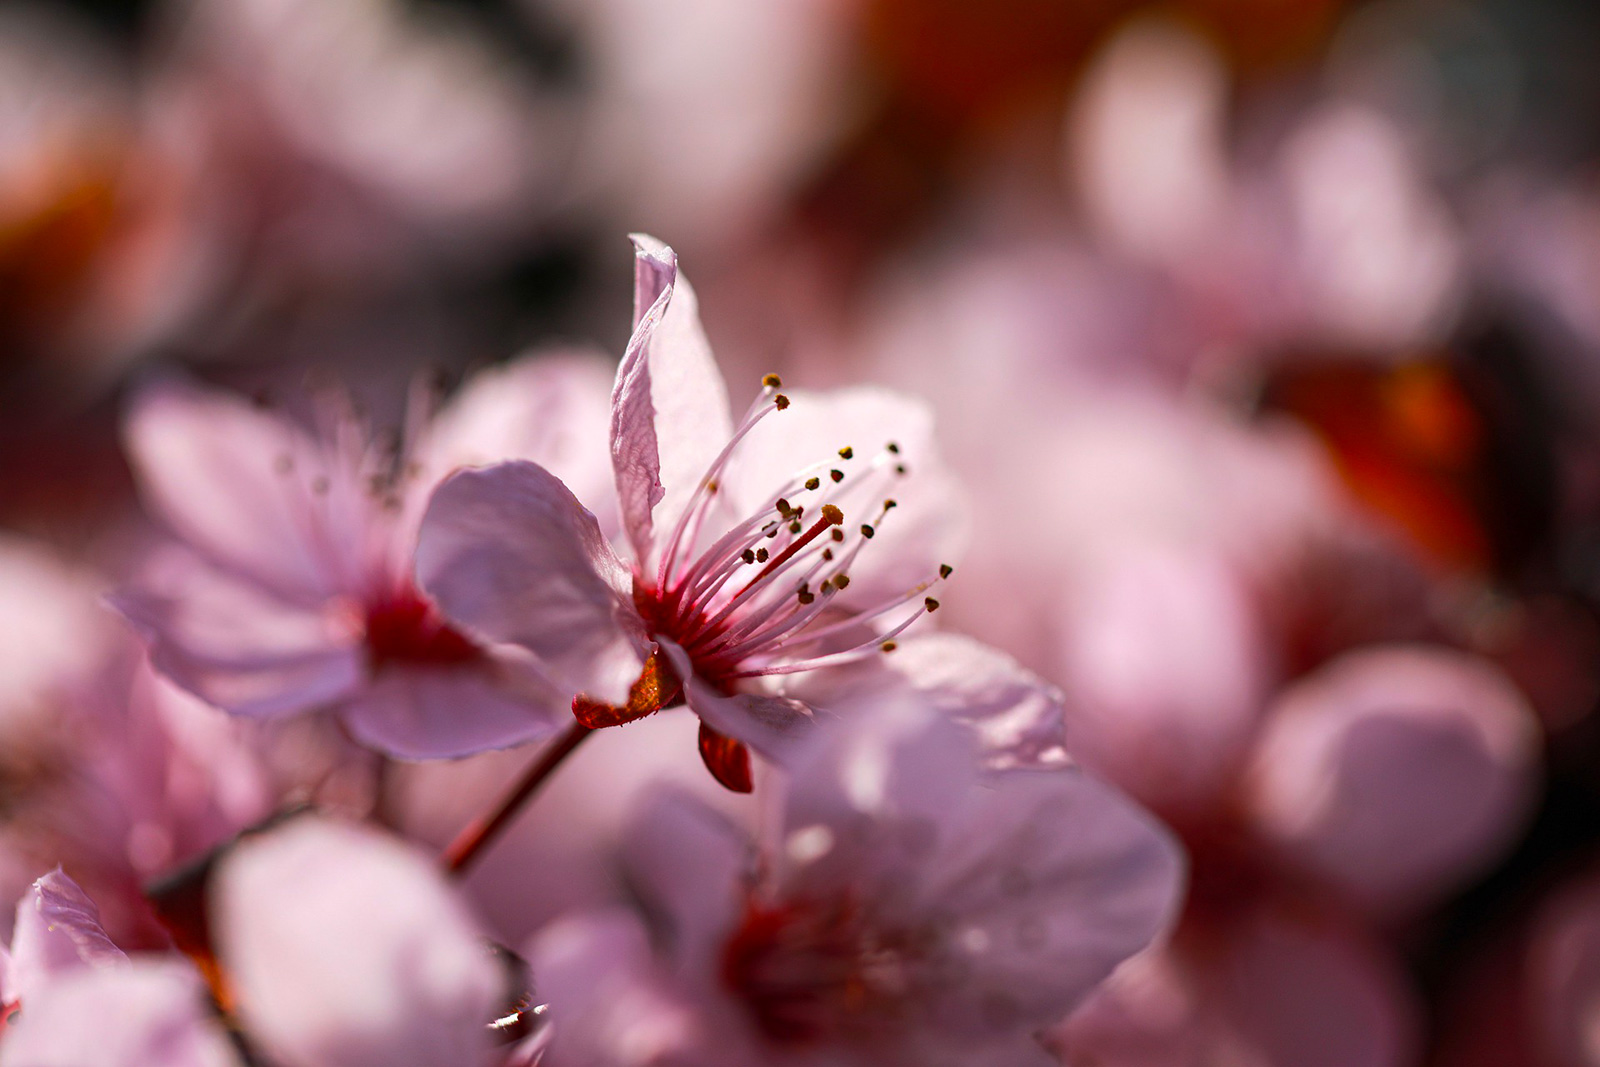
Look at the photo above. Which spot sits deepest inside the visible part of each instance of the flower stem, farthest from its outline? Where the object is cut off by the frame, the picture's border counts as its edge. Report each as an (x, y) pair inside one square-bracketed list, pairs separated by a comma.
[(477, 835)]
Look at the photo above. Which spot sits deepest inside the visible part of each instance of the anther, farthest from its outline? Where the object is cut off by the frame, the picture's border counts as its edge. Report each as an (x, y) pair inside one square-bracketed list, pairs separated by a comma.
[(930, 603), (841, 580), (827, 555), (772, 381), (805, 596), (712, 487), (888, 646), (780, 401), (783, 507), (867, 531), (892, 447), (945, 570), (847, 452), (832, 515), (794, 527), (836, 475), (899, 468), (837, 535), (813, 482), (889, 504), (761, 555), (748, 556)]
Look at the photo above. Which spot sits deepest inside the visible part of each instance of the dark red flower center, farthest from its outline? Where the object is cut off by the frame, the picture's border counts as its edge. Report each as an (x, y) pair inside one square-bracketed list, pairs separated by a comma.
[(404, 628)]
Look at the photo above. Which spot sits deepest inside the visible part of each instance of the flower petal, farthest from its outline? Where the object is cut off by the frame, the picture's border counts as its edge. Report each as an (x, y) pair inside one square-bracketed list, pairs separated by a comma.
[(233, 481), (58, 929), (348, 949), (669, 407), (688, 864), (235, 645), (142, 1014), (446, 712), (510, 553), (1396, 771), (769, 724), (551, 408), (1018, 716)]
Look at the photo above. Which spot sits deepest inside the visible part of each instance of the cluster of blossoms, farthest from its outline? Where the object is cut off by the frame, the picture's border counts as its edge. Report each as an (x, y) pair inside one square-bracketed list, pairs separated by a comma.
[(923, 876)]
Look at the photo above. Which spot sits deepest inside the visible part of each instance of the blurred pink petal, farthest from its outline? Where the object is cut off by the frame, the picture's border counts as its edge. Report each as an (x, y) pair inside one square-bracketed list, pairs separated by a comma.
[(140, 1014), (1396, 772), (348, 949)]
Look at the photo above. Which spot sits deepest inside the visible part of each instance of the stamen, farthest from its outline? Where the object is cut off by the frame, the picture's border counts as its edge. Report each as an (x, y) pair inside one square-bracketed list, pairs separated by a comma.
[(813, 482), (847, 452), (836, 474), (945, 570), (781, 401), (772, 381)]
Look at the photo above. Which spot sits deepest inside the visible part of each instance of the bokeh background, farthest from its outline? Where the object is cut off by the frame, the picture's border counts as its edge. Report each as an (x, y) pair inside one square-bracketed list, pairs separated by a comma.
[(1264, 333)]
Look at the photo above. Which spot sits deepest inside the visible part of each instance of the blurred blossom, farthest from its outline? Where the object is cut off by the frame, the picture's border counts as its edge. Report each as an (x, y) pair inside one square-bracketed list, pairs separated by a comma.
[(333, 126), (706, 114), (1336, 238), (885, 922), (293, 591), (99, 245)]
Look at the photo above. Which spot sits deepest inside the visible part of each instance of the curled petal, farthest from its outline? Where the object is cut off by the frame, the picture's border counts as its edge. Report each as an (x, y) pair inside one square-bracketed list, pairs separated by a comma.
[(669, 406), (58, 930), (510, 553)]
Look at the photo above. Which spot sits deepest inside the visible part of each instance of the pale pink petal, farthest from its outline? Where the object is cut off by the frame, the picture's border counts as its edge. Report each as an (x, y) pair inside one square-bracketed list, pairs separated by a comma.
[(551, 408), (349, 949), (609, 1004), (1042, 880), (1396, 771), (770, 724), (141, 1014), (445, 712), (926, 527), (232, 480), (58, 929), (510, 553), (1017, 715), (669, 407), (235, 645)]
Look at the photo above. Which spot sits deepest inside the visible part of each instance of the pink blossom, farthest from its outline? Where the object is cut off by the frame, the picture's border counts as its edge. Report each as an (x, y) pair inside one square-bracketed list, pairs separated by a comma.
[(807, 536), (293, 589), (910, 909)]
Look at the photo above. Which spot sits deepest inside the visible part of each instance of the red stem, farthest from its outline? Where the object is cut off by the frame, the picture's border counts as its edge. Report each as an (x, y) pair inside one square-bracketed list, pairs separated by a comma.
[(477, 835)]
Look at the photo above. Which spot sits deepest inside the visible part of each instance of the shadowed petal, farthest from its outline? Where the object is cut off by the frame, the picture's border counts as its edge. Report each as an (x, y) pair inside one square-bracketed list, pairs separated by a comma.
[(510, 553)]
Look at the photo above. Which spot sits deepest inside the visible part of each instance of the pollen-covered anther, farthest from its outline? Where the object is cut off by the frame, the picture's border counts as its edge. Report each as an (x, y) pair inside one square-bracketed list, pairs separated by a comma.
[(841, 580), (780, 402), (890, 504), (836, 475), (867, 531), (761, 555), (945, 570), (930, 603), (832, 515), (847, 452), (888, 646), (805, 596), (794, 527), (748, 556), (892, 447), (772, 381), (784, 507), (813, 482), (837, 535)]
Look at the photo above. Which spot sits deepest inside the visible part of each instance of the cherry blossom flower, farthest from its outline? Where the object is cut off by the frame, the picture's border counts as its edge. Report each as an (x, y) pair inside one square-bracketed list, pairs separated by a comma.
[(293, 589), (911, 909), (807, 536)]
